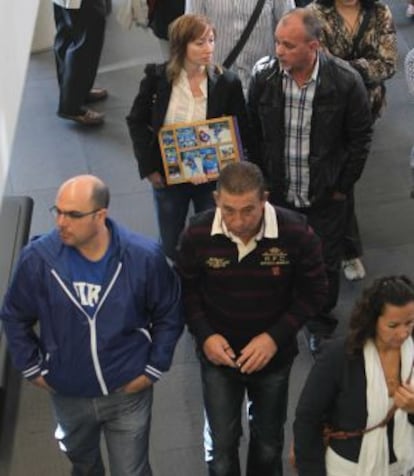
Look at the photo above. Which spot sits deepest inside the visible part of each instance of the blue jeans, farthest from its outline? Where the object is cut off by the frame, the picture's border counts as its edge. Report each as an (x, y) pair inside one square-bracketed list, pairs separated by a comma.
[(125, 422), (224, 389), (172, 204)]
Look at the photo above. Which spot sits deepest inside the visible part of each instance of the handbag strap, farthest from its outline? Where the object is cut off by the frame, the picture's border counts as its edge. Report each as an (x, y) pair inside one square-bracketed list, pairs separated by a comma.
[(234, 53)]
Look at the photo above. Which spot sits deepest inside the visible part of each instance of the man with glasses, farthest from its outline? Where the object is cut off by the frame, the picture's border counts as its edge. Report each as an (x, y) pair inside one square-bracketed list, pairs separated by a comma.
[(109, 310)]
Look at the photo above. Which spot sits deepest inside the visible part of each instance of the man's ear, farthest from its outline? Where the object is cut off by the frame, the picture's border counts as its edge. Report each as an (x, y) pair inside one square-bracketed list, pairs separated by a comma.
[(265, 196), (216, 197), (315, 45), (103, 214)]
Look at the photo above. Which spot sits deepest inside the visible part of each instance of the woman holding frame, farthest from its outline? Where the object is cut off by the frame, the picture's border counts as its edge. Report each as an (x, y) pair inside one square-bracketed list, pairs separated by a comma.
[(188, 88)]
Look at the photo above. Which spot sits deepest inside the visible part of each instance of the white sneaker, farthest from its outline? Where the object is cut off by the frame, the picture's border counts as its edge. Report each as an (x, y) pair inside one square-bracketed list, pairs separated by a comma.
[(410, 11), (353, 269)]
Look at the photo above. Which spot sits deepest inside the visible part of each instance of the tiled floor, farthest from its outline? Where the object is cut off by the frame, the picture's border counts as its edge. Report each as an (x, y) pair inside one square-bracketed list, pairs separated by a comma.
[(48, 150)]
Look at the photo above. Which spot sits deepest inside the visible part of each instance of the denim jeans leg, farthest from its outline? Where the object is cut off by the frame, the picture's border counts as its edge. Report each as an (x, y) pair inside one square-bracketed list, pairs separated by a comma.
[(171, 204), (78, 433), (223, 392), (126, 425), (268, 395)]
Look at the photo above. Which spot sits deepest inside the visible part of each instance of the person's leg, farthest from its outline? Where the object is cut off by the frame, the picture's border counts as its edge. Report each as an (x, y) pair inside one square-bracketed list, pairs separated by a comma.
[(268, 395), (126, 425), (78, 433), (82, 56), (202, 197), (63, 38), (223, 393), (329, 221), (352, 241), (171, 204), (351, 264)]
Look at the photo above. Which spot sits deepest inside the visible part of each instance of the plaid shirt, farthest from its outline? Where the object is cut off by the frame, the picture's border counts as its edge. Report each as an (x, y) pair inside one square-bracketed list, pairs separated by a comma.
[(298, 116)]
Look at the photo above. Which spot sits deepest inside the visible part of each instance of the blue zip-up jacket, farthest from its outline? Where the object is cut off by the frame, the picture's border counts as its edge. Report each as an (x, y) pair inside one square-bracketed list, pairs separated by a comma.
[(133, 331)]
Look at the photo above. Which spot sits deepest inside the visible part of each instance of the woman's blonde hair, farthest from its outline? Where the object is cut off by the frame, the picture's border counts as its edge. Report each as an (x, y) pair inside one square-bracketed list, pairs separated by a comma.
[(182, 31)]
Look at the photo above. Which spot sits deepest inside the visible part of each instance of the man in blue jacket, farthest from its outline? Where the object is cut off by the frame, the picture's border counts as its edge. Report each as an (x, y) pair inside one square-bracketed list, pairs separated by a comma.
[(109, 314)]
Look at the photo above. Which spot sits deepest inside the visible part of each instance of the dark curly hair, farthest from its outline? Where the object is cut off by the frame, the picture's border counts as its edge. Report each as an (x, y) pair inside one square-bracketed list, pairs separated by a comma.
[(366, 4), (394, 290)]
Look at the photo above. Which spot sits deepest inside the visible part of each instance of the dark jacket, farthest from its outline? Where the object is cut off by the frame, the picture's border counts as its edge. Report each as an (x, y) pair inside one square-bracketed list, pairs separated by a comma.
[(133, 331), (225, 97), (335, 393), (274, 289), (162, 14), (341, 127)]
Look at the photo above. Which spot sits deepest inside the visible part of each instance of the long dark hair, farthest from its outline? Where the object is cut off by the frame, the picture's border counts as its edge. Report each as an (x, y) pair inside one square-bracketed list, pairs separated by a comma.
[(394, 290)]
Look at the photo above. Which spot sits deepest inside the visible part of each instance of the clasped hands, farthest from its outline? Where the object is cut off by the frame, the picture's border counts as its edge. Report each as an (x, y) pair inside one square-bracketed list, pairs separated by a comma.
[(253, 357)]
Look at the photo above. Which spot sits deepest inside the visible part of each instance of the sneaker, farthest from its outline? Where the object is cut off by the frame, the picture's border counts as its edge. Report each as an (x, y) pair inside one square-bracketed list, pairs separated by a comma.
[(353, 269), (410, 11)]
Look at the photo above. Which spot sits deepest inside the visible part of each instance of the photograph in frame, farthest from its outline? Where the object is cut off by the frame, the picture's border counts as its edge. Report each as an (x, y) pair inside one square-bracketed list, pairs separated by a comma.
[(201, 147)]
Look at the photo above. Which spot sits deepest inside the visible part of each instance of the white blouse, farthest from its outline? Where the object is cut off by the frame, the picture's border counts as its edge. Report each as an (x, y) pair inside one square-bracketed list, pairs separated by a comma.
[(183, 106)]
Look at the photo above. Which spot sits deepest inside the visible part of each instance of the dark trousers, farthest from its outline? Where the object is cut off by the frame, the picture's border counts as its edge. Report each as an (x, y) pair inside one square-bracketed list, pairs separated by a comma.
[(224, 389), (78, 46), (172, 205), (328, 219), (352, 242)]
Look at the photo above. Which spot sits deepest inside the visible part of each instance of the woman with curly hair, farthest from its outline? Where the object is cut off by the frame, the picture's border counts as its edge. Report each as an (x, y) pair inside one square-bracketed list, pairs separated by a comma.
[(355, 415), (361, 32)]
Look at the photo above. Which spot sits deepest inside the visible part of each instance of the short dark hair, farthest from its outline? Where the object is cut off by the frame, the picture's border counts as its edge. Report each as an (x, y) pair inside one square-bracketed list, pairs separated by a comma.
[(394, 290), (100, 195), (366, 4), (238, 178), (311, 23)]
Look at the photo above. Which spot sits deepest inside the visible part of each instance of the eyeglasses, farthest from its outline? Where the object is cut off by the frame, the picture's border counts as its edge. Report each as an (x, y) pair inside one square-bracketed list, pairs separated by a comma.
[(71, 214)]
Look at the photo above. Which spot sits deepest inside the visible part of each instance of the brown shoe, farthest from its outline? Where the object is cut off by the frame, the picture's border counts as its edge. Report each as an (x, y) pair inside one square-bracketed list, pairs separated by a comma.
[(88, 118), (96, 94)]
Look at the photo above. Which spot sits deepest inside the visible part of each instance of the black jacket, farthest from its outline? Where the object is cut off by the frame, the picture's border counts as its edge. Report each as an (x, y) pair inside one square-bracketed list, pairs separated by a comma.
[(225, 97), (164, 12), (341, 127)]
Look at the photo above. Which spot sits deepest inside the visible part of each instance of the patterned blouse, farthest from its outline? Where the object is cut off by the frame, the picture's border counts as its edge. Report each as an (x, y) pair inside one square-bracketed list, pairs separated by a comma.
[(375, 55)]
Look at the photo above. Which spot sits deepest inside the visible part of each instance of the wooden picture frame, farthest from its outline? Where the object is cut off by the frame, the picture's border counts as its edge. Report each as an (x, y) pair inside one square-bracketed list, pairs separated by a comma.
[(198, 147)]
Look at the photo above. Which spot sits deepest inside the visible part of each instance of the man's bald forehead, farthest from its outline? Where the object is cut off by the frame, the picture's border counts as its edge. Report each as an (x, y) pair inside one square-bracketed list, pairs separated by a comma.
[(83, 180), (87, 187)]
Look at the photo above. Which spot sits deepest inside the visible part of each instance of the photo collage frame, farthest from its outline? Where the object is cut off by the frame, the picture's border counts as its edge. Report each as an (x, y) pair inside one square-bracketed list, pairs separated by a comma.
[(201, 147)]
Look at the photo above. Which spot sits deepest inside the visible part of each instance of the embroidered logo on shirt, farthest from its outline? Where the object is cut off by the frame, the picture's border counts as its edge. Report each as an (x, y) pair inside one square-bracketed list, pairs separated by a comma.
[(274, 257), (217, 263)]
